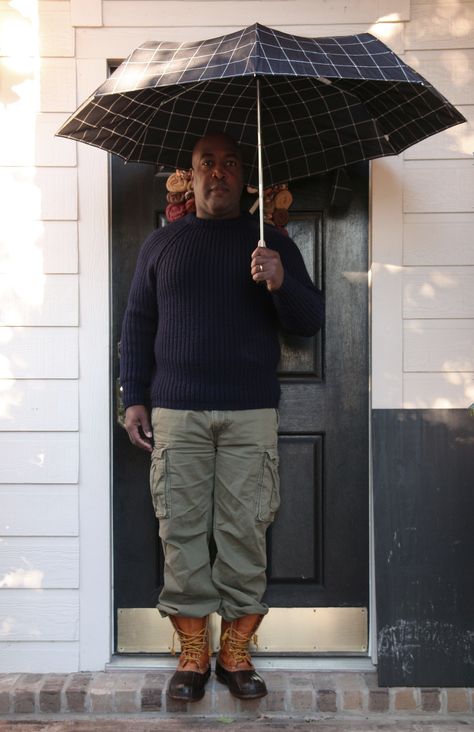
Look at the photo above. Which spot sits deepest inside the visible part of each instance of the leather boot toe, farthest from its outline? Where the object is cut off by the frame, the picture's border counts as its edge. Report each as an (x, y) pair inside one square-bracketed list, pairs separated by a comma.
[(188, 686), (246, 684)]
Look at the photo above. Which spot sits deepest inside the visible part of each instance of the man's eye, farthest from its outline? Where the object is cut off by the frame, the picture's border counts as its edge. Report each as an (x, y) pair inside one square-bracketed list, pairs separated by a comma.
[(231, 163), (207, 163)]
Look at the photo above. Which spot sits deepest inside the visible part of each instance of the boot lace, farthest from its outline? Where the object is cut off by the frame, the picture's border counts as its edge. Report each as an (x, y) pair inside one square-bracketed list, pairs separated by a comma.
[(192, 645), (238, 644)]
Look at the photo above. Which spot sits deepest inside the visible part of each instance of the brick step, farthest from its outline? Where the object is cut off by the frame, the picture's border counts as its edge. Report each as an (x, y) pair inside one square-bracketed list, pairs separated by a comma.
[(290, 692)]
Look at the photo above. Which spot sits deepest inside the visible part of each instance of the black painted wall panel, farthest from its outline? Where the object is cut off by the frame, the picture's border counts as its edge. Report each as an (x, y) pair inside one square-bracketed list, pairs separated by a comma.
[(424, 546)]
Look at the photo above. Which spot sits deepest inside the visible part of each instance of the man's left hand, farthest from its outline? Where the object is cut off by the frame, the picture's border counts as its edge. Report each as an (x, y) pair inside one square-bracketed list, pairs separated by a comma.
[(266, 267)]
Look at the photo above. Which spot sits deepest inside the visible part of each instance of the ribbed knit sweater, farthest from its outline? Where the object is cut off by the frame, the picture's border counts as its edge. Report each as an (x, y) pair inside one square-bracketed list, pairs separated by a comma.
[(198, 332)]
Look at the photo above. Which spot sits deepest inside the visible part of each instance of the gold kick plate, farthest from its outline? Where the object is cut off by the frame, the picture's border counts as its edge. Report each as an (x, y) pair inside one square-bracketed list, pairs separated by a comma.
[(284, 630)]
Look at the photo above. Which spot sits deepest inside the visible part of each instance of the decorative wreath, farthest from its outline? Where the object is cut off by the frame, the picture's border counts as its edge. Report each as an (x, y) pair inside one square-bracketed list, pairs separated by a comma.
[(180, 197)]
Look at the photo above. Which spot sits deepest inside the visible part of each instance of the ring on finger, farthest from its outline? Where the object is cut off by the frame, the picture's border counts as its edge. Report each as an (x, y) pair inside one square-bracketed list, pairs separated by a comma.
[(261, 267)]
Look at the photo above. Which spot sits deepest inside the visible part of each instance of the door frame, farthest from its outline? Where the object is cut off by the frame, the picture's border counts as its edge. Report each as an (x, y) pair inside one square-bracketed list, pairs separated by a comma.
[(96, 629), (130, 622)]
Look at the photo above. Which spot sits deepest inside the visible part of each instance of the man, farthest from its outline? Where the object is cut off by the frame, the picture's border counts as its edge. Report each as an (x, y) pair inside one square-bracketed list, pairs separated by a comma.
[(200, 334)]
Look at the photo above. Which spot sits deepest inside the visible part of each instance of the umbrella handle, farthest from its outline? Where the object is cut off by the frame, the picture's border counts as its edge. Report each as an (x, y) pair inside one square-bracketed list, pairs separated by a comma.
[(261, 241)]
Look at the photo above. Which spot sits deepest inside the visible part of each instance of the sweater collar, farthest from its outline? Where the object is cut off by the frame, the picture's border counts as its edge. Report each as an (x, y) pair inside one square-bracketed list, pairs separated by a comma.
[(192, 219)]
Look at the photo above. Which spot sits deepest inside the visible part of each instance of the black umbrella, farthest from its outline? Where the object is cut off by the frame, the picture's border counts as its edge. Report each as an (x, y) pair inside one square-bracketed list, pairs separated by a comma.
[(318, 103)]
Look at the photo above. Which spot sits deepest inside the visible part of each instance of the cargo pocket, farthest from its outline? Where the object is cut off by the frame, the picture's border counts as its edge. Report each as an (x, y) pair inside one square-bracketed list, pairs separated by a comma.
[(160, 482), (268, 496)]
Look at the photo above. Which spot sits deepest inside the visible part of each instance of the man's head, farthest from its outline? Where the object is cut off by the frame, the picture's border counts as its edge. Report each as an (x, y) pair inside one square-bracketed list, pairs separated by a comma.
[(217, 177)]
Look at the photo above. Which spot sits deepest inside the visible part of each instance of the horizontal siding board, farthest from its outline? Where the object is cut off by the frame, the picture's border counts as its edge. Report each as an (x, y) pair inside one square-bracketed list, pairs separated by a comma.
[(48, 457), (41, 193), (438, 345), (86, 12), (457, 142), (438, 292), (31, 141), (38, 300), (438, 391), (116, 42), (449, 71), (52, 510), (39, 615), (38, 353), (39, 405), (438, 186), (440, 25), (37, 658), (51, 150), (58, 187), (59, 247), (34, 563), (56, 34), (57, 85), (246, 12), (435, 238)]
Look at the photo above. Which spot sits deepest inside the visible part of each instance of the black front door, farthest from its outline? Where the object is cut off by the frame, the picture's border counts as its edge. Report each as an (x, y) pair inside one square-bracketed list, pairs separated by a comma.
[(318, 545)]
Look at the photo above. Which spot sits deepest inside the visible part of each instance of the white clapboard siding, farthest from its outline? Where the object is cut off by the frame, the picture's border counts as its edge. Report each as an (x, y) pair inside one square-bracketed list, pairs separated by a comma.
[(56, 34), (29, 140), (438, 238), (51, 246), (118, 42), (438, 292), (438, 186), (438, 345), (246, 12), (36, 193), (51, 150), (39, 457), (39, 405), (39, 510), (36, 299), (386, 283), (86, 12), (438, 391), (35, 563), (38, 353), (440, 25), (449, 71), (37, 658), (457, 142), (57, 85), (58, 187), (58, 243), (39, 615)]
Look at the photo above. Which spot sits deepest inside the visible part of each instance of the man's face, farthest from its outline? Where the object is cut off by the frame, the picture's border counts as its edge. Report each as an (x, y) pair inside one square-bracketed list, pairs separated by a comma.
[(217, 178)]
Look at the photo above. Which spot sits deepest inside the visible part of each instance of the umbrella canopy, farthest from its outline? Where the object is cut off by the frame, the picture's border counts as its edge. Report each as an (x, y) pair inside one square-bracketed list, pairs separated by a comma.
[(325, 102)]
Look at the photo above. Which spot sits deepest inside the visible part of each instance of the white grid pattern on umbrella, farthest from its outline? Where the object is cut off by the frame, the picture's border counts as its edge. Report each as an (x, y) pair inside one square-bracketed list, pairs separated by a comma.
[(326, 102)]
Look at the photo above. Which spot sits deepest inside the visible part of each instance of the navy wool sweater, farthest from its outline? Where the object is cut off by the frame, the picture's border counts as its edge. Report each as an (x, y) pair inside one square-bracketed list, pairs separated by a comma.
[(198, 332)]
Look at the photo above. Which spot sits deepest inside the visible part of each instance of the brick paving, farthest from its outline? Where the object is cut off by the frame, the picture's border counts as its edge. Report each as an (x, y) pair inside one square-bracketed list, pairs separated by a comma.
[(263, 724), (290, 693)]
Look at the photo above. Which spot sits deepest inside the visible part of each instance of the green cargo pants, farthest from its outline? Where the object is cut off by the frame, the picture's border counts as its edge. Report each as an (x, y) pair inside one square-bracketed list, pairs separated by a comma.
[(214, 473)]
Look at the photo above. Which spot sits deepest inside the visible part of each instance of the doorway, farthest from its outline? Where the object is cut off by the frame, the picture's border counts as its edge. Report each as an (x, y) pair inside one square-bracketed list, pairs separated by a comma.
[(318, 546)]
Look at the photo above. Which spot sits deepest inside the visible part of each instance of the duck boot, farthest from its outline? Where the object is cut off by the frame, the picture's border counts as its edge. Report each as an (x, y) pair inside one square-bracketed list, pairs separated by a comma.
[(233, 664), (189, 680)]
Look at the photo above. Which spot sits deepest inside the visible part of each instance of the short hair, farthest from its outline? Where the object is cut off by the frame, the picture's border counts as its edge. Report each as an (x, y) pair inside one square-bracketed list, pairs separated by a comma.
[(226, 136)]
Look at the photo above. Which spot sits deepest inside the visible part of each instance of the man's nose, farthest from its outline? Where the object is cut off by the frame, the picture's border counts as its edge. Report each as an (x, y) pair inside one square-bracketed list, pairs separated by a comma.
[(218, 172)]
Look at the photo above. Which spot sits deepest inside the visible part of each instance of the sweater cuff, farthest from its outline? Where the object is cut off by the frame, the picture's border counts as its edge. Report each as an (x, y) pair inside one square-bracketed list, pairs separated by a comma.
[(133, 394)]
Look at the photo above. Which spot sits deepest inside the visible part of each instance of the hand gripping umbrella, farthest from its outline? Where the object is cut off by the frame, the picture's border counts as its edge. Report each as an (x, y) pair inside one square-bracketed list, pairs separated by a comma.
[(318, 103)]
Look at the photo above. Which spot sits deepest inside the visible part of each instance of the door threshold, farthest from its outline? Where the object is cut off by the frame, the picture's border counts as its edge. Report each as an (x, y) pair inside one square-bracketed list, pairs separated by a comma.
[(275, 663)]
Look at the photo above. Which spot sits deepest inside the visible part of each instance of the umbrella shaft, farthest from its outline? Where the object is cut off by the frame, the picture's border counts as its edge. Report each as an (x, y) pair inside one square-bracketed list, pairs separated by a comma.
[(261, 242)]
